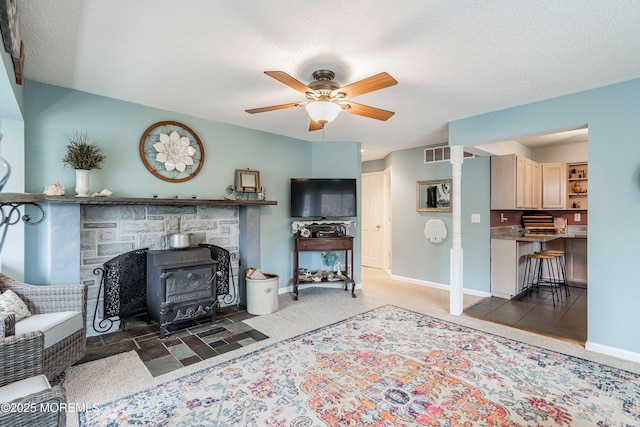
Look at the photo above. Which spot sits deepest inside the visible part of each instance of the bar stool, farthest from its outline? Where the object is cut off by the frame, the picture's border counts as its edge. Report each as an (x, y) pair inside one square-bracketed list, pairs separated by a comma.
[(533, 274), (560, 269)]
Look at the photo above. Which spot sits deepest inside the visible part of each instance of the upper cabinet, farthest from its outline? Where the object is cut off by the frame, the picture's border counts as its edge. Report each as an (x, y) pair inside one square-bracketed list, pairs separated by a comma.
[(553, 185), (577, 185), (515, 183)]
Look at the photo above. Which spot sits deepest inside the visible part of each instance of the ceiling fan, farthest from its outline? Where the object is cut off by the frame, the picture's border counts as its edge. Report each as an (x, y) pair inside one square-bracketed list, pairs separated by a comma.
[(326, 98)]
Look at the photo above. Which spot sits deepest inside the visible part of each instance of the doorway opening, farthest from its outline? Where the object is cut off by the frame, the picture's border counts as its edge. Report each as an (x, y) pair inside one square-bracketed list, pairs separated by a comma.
[(559, 153)]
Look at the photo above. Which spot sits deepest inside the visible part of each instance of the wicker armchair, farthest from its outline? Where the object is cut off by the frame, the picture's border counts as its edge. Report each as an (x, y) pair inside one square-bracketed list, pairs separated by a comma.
[(48, 299), (35, 406)]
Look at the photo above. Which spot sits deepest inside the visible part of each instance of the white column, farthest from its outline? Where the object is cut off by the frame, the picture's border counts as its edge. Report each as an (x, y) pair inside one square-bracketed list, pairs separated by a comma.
[(455, 253)]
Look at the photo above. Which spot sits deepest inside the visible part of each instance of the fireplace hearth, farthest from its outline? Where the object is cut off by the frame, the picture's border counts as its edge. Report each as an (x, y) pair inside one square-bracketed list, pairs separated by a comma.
[(181, 285)]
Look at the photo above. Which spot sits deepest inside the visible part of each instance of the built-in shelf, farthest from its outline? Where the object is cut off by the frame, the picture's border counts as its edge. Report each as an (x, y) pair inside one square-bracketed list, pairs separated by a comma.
[(154, 201), (577, 186)]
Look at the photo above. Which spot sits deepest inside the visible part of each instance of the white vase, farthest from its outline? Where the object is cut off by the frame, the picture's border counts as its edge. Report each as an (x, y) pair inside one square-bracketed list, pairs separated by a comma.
[(82, 182)]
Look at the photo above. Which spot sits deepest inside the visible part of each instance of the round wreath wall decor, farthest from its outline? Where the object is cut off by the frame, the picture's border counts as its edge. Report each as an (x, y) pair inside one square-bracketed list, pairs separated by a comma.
[(171, 151)]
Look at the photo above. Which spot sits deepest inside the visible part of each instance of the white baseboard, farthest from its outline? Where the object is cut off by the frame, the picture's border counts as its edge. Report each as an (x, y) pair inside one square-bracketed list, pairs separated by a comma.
[(612, 351), (426, 283)]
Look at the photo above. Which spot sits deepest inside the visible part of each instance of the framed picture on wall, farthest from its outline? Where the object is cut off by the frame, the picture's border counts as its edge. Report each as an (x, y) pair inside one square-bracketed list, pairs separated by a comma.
[(247, 181)]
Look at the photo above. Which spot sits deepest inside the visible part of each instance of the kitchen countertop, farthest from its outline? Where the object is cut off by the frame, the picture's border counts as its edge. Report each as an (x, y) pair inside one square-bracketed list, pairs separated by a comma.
[(516, 233)]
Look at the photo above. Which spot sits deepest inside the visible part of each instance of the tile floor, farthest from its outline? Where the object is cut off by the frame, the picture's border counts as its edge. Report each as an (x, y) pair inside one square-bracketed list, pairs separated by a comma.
[(535, 312), (198, 341)]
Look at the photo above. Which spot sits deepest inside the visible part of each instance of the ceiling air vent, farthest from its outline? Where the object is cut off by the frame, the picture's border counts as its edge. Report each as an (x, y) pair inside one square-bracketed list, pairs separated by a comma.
[(440, 154)]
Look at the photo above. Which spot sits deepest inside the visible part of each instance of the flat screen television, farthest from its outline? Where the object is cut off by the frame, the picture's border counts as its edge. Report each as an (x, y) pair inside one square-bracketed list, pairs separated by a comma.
[(323, 198)]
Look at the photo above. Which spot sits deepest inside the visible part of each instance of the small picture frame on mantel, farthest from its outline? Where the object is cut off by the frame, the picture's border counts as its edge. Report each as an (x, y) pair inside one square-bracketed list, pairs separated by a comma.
[(247, 181)]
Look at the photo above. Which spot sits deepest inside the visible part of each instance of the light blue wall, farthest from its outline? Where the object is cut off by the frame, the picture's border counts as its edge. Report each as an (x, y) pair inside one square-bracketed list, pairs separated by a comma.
[(613, 116), (53, 112), (414, 256), (11, 94), (330, 160), (373, 166)]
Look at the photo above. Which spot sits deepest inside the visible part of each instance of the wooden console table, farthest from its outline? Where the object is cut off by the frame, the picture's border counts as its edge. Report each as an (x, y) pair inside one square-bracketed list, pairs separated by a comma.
[(317, 244)]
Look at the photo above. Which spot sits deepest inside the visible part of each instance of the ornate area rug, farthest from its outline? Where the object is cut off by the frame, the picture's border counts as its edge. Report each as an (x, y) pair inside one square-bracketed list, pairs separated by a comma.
[(388, 367)]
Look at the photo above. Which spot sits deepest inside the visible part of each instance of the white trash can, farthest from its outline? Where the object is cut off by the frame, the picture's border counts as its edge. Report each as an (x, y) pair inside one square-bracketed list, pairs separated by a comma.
[(262, 295)]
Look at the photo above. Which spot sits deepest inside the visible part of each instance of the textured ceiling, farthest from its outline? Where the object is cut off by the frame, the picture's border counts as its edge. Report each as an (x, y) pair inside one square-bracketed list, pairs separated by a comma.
[(452, 59)]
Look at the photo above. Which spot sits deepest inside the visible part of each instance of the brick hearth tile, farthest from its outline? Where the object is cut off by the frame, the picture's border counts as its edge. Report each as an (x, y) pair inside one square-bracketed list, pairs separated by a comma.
[(246, 341), (190, 360), (212, 331), (204, 351), (256, 335), (238, 317), (151, 342), (162, 365), (192, 341), (216, 344), (172, 342), (181, 351), (228, 347), (238, 327), (236, 337), (153, 352)]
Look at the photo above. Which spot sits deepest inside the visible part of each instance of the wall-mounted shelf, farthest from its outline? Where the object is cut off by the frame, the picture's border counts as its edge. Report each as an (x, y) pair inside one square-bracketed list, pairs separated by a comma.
[(577, 186), (10, 204), (154, 201)]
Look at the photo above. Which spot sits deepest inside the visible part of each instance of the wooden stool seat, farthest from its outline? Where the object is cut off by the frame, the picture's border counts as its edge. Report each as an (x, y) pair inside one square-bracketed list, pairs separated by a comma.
[(560, 269)]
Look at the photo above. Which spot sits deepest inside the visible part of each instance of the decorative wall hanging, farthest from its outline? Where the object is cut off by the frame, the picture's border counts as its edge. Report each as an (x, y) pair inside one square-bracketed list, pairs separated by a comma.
[(171, 151), (9, 27), (247, 181), (433, 196)]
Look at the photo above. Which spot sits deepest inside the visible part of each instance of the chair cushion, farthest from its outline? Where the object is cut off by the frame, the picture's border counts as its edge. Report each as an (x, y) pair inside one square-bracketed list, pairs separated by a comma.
[(23, 388), (54, 326), (10, 302)]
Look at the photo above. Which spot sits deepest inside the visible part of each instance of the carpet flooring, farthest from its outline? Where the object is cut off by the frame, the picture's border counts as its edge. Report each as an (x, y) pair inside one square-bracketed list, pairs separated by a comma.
[(102, 381), (388, 367)]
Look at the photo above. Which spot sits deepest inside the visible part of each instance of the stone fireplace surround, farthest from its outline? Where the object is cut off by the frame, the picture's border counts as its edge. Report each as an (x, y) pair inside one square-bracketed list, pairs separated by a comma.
[(83, 233)]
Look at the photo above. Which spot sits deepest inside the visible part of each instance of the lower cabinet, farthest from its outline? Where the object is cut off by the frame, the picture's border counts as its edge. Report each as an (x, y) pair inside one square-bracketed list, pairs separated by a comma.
[(507, 266), (508, 263), (576, 259)]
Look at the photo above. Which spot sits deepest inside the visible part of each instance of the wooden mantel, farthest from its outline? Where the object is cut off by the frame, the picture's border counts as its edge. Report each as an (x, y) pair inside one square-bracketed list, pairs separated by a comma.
[(154, 201)]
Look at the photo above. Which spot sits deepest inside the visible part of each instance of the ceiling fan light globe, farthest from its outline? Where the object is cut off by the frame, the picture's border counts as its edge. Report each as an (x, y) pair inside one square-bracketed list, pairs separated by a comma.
[(323, 111)]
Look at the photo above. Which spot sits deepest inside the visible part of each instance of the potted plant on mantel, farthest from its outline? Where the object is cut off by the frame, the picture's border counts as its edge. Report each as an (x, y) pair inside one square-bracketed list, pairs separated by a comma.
[(83, 155)]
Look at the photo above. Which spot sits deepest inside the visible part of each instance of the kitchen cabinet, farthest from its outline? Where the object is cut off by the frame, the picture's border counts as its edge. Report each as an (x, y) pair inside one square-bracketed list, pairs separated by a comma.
[(577, 186), (515, 183), (576, 260), (507, 266), (553, 185)]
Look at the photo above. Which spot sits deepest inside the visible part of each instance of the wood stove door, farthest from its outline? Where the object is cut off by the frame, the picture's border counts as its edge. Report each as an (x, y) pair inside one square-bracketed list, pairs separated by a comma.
[(188, 294)]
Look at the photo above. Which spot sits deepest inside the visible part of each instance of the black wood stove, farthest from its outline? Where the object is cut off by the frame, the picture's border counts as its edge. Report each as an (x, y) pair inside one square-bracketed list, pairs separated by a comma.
[(181, 285)]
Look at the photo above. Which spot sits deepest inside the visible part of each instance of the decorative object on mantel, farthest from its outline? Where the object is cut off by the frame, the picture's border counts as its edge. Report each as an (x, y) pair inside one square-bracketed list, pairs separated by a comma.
[(435, 230), (5, 170), (55, 189), (83, 155), (231, 193), (247, 181), (102, 193), (171, 151)]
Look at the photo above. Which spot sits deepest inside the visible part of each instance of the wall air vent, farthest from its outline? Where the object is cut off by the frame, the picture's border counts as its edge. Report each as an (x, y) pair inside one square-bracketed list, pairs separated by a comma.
[(440, 154)]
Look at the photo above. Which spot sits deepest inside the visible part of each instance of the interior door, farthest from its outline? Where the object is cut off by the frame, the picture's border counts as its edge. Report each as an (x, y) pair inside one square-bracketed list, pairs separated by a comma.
[(372, 220)]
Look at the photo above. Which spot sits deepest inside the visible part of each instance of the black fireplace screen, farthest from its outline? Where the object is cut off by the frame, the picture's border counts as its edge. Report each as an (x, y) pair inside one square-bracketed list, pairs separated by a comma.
[(224, 272)]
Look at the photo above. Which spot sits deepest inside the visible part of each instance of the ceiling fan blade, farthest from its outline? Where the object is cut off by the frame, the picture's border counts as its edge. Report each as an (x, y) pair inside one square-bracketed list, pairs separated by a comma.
[(377, 82), (315, 126), (285, 78), (272, 108), (367, 111)]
